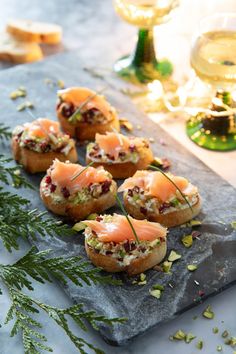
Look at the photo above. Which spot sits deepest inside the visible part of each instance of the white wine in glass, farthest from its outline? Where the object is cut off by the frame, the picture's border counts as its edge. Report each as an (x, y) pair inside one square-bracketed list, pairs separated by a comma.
[(213, 57), (143, 66)]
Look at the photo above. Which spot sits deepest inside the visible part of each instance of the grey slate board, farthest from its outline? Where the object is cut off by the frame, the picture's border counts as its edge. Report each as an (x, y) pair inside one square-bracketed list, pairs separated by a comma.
[(214, 252)]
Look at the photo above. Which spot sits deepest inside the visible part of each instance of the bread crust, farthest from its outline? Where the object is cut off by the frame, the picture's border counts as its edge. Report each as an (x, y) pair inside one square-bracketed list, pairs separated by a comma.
[(126, 169), (34, 162), (38, 32), (137, 266), (80, 211), (85, 131), (171, 219)]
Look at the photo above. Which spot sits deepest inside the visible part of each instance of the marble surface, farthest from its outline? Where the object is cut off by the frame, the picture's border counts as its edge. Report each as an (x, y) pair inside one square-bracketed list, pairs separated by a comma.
[(78, 24)]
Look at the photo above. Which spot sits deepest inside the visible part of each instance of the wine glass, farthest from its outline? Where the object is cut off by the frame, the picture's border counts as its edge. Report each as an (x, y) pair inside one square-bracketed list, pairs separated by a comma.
[(143, 66), (213, 57)]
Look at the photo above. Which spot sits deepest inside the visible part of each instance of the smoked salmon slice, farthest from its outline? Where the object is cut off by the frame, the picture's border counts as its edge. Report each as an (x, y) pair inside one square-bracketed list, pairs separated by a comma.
[(119, 230), (79, 95), (155, 183), (62, 174), (113, 143), (41, 127)]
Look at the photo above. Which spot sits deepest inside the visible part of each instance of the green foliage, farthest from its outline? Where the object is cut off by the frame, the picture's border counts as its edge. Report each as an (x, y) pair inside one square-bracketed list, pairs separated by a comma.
[(12, 174), (5, 132)]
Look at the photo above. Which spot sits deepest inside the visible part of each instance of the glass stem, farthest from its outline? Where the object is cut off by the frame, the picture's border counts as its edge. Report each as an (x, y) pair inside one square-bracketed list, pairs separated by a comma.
[(144, 51)]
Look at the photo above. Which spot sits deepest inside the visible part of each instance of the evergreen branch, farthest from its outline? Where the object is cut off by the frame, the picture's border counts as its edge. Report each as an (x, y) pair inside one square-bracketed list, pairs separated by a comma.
[(5, 132), (12, 174), (38, 266), (23, 309)]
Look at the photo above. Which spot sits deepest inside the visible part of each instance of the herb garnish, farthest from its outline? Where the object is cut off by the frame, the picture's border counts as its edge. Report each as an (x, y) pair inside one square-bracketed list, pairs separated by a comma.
[(164, 174), (127, 217), (81, 171)]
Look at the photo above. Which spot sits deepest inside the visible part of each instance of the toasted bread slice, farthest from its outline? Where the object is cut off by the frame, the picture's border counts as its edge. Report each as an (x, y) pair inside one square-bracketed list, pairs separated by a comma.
[(168, 219), (31, 31), (18, 52), (126, 169), (80, 211), (136, 266), (34, 162), (85, 131)]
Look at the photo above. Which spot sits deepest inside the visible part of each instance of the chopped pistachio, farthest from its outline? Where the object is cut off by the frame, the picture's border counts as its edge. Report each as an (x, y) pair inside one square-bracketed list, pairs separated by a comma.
[(142, 282), (142, 276), (158, 287), (191, 267), (17, 172), (215, 330), (219, 348), (60, 84), (187, 240), (199, 345), (195, 223), (126, 124), (233, 224), (79, 226), (195, 317), (171, 338), (20, 92), (231, 341), (166, 266), (225, 334), (24, 105), (92, 216), (173, 256), (208, 313), (155, 292), (179, 335), (189, 337)]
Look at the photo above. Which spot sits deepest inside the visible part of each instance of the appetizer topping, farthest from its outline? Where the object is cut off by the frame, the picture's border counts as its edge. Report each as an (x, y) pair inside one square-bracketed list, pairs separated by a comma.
[(43, 135), (112, 236), (76, 183), (119, 230), (115, 147), (208, 313), (79, 104), (152, 192)]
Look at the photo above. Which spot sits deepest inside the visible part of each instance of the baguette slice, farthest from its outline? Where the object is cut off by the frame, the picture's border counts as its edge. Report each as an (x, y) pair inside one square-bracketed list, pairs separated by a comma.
[(111, 245), (34, 162), (136, 266), (80, 211), (18, 52), (89, 101), (32, 31), (171, 219)]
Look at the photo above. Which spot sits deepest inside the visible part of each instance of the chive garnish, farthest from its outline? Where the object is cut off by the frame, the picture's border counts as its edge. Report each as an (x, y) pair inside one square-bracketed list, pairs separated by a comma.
[(127, 217), (78, 110), (164, 174), (81, 171)]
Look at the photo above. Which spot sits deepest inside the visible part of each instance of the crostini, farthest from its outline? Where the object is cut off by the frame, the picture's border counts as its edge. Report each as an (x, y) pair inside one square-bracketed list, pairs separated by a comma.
[(111, 244), (36, 144), (151, 195), (83, 113), (121, 155), (76, 191)]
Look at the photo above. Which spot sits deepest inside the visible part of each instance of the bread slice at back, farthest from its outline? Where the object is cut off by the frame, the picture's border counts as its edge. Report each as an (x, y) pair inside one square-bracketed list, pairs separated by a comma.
[(32, 31), (18, 52)]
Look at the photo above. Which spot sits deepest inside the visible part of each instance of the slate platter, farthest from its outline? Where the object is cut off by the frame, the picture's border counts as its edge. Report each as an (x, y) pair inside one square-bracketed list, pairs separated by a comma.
[(215, 250)]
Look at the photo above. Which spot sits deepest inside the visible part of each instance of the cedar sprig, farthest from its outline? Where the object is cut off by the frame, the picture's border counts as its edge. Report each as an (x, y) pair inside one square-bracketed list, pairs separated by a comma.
[(12, 174), (41, 267), (5, 132)]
